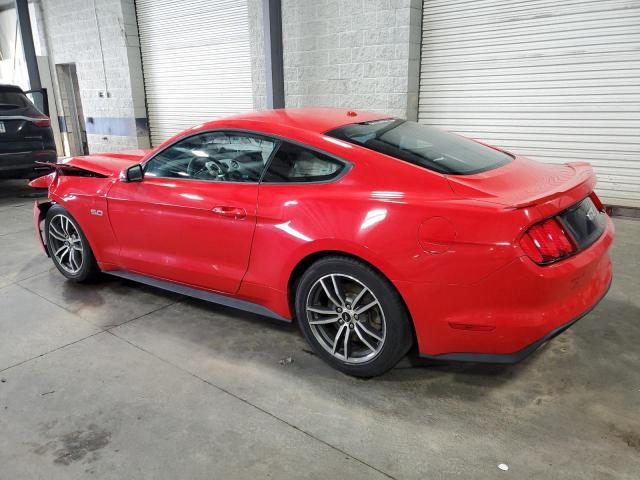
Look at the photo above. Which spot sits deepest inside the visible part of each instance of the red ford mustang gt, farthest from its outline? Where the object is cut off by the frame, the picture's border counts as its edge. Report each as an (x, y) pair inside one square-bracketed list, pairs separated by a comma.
[(374, 233)]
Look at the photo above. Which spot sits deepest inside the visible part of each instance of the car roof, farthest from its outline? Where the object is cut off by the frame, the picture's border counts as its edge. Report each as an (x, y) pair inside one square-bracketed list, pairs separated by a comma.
[(10, 88), (314, 119)]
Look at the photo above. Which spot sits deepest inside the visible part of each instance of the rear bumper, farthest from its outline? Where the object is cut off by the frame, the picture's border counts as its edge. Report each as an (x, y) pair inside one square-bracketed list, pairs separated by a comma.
[(21, 164), (510, 313), (516, 356)]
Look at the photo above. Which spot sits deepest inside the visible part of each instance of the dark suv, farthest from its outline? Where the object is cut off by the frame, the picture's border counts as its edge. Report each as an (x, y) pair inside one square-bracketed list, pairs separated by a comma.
[(25, 135)]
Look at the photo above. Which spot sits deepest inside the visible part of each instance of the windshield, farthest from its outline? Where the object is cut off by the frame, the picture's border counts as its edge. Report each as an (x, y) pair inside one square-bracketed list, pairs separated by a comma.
[(427, 147)]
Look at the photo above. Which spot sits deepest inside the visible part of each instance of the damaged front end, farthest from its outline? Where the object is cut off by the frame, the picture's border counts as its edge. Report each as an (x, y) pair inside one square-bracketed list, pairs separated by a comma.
[(41, 207), (40, 210)]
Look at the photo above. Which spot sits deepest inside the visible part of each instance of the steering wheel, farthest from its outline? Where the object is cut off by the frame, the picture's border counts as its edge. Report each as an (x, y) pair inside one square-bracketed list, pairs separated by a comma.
[(208, 166)]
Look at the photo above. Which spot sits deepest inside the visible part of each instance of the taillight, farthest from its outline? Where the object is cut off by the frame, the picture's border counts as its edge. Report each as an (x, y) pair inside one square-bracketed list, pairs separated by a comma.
[(41, 121), (547, 242)]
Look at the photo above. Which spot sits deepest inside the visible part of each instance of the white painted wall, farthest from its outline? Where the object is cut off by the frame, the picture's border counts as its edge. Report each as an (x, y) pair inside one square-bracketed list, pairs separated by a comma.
[(113, 92), (361, 54)]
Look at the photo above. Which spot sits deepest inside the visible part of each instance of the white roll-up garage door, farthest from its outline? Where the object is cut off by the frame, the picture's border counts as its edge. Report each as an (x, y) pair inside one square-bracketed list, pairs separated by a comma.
[(556, 81), (196, 62)]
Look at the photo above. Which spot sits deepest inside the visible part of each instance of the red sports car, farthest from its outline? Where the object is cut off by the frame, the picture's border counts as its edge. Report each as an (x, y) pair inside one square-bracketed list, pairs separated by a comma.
[(375, 233)]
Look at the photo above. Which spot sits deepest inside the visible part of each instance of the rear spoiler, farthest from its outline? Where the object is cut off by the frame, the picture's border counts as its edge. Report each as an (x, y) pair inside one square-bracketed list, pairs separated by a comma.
[(585, 180)]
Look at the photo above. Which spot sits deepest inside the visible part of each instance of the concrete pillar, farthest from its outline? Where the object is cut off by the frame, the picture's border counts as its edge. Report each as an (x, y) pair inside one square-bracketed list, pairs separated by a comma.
[(272, 18), (22, 12)]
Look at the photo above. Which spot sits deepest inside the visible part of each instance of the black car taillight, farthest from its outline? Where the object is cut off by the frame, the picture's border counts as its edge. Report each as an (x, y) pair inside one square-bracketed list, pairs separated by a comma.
[(547, 242), (41, 121)]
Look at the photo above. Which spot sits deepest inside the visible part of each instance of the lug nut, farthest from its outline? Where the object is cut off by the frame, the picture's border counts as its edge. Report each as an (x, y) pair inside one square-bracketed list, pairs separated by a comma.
[(339, 310)]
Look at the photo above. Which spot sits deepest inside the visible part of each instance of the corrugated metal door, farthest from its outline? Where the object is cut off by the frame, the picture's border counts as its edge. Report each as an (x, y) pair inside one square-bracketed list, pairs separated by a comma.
[(556, 81), (196, 62)]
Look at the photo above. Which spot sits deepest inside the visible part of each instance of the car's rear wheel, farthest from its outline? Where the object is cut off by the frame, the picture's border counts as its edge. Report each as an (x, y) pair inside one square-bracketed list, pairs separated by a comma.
[(352, 316), (68, 246)]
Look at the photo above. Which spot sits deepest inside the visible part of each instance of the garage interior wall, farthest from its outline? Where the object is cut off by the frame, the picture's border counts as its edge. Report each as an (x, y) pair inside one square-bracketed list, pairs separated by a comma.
[(102, 43), (196, 62), (361, 54), (13, 68), (555, 81)]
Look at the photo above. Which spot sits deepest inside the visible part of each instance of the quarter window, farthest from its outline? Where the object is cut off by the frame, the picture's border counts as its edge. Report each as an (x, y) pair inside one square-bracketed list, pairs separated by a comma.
[(214, 156), (424, 146), (292, 163)]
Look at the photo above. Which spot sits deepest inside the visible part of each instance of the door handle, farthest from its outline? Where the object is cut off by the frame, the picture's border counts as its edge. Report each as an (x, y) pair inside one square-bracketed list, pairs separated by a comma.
[(230, 212)]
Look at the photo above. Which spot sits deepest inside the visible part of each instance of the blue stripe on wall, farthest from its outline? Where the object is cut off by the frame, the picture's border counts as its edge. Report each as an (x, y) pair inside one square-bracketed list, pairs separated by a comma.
[(121, 126)]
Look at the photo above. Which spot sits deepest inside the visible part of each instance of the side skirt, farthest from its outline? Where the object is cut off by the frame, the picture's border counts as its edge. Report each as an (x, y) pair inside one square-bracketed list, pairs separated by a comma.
[(200, 294)]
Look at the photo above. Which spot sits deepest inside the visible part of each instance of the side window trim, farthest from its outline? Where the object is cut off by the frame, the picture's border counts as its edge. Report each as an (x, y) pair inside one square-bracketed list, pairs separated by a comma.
[(278, 141), (347, 165), (276, 145)]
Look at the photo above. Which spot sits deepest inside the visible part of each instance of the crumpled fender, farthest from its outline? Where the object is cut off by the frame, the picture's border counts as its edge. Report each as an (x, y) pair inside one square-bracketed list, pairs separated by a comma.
[(40, 210), (43, 182)]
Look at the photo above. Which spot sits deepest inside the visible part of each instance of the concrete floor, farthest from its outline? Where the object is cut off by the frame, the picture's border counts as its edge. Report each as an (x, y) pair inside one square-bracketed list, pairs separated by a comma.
[(116, 380)]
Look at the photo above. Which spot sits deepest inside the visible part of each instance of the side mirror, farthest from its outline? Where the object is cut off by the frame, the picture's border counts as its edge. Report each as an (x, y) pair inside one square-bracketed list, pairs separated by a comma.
[(134, 173)]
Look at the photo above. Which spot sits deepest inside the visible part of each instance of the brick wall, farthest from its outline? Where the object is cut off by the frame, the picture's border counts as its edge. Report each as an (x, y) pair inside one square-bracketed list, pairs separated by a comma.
[(346, 53), (112, 95)]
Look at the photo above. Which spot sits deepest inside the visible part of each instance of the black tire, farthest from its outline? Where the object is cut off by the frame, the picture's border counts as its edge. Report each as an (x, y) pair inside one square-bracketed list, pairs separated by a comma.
[(397, 338), (88, 267)]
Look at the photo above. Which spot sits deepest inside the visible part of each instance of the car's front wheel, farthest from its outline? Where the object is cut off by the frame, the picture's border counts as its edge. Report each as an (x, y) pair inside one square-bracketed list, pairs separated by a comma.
[(68, 246), (352, 316)]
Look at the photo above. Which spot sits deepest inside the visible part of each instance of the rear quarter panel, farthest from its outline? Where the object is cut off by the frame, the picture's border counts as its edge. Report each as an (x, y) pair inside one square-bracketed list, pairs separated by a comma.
[(375, 212)]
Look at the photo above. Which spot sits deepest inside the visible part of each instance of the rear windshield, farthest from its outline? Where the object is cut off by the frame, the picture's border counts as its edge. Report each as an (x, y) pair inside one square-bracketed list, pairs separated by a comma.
[(427, 147), (10, 99)]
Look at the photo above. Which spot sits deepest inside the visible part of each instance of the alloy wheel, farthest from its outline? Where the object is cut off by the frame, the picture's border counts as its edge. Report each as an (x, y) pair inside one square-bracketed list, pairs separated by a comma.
[(346, 318), (66, 244)]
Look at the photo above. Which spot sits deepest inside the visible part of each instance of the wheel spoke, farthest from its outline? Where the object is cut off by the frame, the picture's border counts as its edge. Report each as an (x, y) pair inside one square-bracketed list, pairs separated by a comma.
[(337, 290), (326, 291), (64, 250), (362, 339), (346, 343), (73, 261), (366, 307), (56, 236), (54, 230), (321, 311), (337, 337), (64, 223), (57, 252), (370, 333), (324, 321), (359, 297)]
